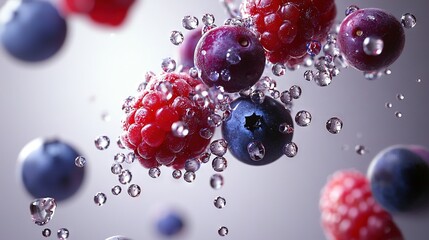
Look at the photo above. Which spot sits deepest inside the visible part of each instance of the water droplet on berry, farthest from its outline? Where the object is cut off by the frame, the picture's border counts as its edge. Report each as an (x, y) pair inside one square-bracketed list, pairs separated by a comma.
[(278, 69), (257, 96), (179, 129), (331, 49), (408, 20), (134, 190), (256, 151), (303, 118), (400, 96), (46, 232), (116, 190), (308, 75), (119, 143), (154, 172), (214, 76), (314, 47), (100, 199), (285, 128), (168, 65), (116, 168), (360, 149), (119, 158), (125, 177), (204, 157), (208, 19), (350, 9), (206, 133), (102, 142), (290, 149), (42, 210), (334, 125), (219, 164), (130, 158), (232, 56), (63, 233), (398, 114), (80, 161), (295, 91), (192, 165), (176, 38), (322, 78), (166, 89), (373, 46), (189, 177), (214, 120), (218, 147), (219, 202), (190, 22), (176, 174), (223, 231), (216, 181), (225, 75), (388, 105)]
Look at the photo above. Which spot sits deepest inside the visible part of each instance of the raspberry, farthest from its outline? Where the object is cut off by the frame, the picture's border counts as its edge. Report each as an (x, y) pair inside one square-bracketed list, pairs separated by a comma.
[(350, 212), (286, 26), (165, 102)]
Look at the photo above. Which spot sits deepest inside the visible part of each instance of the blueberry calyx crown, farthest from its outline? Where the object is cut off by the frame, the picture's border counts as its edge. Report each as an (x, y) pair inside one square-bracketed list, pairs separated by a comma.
[(253, 122)]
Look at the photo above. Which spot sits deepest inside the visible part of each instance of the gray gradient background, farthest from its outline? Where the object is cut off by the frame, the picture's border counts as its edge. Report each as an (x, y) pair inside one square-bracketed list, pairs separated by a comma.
[(98, 67)]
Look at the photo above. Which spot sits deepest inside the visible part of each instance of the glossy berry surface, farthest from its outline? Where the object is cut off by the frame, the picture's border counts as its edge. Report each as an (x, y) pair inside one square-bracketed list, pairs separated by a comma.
[(399, 177), (370, 23), (35, 32), (286, 26), (350, 212), (231, 57), (166, 101), (170, 224), (48, 169), (256, 122), (187, 49)]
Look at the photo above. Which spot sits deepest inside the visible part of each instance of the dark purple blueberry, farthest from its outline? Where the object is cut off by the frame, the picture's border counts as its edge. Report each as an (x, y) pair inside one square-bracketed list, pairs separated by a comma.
[(35, 32), (253, 123), (399, 178), (380, 28), (187, 49), (48, 169), (231, 57), (170, 224)]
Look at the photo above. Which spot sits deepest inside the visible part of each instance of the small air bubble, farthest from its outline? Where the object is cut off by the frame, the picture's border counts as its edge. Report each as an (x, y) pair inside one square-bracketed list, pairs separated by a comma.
[(168, 65), (350, 9), (176, 174), (408, 20), (102, 142), (190, 22), (373, 46), (100, 199), (303, 118), (334, 125), (80, 161), (256, 151), (216, 181), (290, 149), (208, 19), (154, 172), (134, 190), (223, 231), (398, 114), (400, 96), (176, 38), (278, 69), (116, 190), (189, 177)]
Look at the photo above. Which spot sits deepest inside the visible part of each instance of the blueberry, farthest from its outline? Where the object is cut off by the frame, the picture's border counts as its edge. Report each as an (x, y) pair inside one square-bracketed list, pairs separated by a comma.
[(399, 178), (35, 32), (170, 224), (231, 57), (48, 169), (252, 122)]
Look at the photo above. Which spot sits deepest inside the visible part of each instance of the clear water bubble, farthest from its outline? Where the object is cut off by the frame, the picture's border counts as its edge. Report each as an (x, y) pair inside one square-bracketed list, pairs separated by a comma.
[(225, 75), (189, 177), (134, 190), (116, 168), (408, 20), (303, 118), (360, 149), (168, 65), (208, 19), (154, 172), (179, 129), (207, 28), (165, 88), (334, 125), (214, 76), (274, 94), (223, 231), (285, 128), (388, 105), (42, 210), (233, 56), (219, 202), (131, 157), (295, 91), (323, 78), (257, 96), (216, 181), (192, 165), (46, 232), (373, 46), (314, 47), (116, 190), (214, 120), (308, 75), (100, 198), (63, 233), (290, 149), (177, 174), (80, 161), (286, 97), (190, 22), (256, 151), (176, 37), (119, 157), (125, 176), (419, 80), (218, 147), (219, 164), (127, 105), (387, 71), (398, 114), (278, 69), (102, 142), (400, 96), (119, 143), (193, 72), (206, 133), (350, 9), (335, 72), (204, 157), (331, 49)]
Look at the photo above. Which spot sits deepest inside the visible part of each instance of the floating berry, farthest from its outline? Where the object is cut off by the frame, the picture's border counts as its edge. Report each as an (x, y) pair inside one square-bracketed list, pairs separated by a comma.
[(286, 27), (164, 125), (399, 177), (253, 130), (170, 223), (371, 39), (231, 57), (350, 212)]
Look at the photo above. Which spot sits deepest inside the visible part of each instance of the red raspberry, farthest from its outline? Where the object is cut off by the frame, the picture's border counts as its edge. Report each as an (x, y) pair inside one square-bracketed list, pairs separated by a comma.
[(286, 26), (166, 100), (350, 212)]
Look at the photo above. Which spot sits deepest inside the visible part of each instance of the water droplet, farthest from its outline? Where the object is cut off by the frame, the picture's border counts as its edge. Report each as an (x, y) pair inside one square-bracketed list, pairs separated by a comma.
[(190, 22), (204, 157), (218, 147), (208, 19), (274, 93), (286, 97), (387, 71), (223, 231), (63, 233), (214, 76), (177, 174), (134, 190), (257, 96), (125, 177), (42, 210), (303, 118), (119, 143), (331, 49), (102, 142), (130, 157), (295, 91), (80, 161), (179, 129), (232, 56), (192, 165), (116, 168), (314, 47), (334, 125), (408, 20), (105, 116), (278, 69), (373, 46), (216, 181), (154, 172), (400, 96), (168, 65), (176, 38), (219, 164), (214, 120), (388, 105), (100, 199), (419, 80), (119, 158), (351, 9), (256, 151), (225, 75), (116, 190), (290, 149), (360, 149), (323, 78), (46, 232), (189, 177), (127, 105), (285, 128), (220, 202), (398, 114), (166, 89)]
